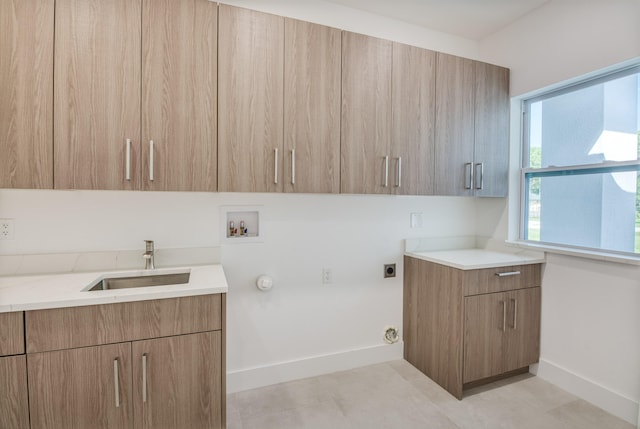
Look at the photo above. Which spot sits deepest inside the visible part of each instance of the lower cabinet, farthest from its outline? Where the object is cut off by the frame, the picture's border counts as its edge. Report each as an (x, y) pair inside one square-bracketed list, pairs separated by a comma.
[(469, 327), (164, 371), (501, 333), (14, 407)]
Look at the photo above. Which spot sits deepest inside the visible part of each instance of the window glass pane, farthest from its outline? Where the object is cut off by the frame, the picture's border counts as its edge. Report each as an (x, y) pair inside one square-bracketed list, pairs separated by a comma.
[(598, 210), (590, 125)]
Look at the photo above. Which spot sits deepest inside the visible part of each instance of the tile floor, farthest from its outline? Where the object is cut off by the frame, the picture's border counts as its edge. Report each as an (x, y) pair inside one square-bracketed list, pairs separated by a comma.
[(395, 395)]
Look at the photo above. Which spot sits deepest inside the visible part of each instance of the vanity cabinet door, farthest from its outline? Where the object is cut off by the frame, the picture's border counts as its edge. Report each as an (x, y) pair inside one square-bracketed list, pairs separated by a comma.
[(177, 382), (81, 388), (14, 411), (523, 336)]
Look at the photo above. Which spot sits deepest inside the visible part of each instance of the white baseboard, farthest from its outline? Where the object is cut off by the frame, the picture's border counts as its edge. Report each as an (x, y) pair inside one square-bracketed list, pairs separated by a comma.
[(252, 378), (610, 401)]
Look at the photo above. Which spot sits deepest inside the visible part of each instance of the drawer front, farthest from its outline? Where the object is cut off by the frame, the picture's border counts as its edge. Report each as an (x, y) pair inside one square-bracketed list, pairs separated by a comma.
[(500, 279), (63, 328), (11, 333)]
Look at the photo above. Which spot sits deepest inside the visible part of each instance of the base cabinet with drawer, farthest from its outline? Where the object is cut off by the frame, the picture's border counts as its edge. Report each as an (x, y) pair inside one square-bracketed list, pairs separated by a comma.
[(148, 364), (468, 327), (14, 406)]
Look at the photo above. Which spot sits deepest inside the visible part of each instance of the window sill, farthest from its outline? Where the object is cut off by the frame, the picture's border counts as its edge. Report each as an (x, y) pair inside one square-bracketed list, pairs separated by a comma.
[(580, 253)]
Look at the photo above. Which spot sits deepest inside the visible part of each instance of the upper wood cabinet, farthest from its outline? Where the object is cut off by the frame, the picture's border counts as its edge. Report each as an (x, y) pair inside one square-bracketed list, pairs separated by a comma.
[(366, 114), (472, 128), (454, 134), (179, 99), (491, 130), (250, 96), (26, 93), (312, 67), (97, 94), (412, 122), (102, 50)]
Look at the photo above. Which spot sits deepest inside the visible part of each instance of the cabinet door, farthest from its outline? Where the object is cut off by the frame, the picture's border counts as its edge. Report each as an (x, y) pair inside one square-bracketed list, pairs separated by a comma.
[(26, 91), (454, 139), (81, 388), (366, 114), (412, 127), (484, 328), (179, 100), (14, 404), (250, 87), (491, 130), (178, 382), (311, 108), (522, 344), (97, 94)]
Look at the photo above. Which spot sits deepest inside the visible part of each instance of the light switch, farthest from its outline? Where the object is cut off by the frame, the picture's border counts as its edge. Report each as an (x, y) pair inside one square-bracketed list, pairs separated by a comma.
[(416, 220)]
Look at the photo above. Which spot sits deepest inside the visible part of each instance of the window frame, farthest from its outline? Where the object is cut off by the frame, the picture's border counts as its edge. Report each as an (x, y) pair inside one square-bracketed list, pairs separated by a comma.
[(555, 171)]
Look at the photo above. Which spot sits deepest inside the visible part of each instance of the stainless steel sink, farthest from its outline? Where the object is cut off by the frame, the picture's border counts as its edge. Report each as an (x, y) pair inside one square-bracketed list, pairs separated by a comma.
[(140, 281)]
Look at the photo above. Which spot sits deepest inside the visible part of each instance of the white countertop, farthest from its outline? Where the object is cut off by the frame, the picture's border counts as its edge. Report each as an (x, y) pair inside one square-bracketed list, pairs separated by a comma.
[(38, 292), (473, 259)]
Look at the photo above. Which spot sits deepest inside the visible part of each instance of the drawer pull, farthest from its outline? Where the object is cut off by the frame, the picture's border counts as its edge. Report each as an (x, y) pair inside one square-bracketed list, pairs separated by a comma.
[(508, 273), (116, 382)]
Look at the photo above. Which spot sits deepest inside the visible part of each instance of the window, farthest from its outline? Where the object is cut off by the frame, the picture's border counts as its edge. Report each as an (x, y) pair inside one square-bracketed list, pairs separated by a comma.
[(581, 168)]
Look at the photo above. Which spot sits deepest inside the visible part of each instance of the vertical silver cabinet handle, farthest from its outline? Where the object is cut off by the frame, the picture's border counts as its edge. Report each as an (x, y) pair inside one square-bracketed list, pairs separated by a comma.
[(275, 169), (399, 177), (144, 377), (293, 166), (127, 163), (151, 160), (504, 316), (386, 171), (515, 313), (481, 165), (468, 177), (116, 381)]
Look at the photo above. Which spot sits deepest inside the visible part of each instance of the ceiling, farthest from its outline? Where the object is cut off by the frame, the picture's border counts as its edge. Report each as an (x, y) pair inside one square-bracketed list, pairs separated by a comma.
[(472, 19)]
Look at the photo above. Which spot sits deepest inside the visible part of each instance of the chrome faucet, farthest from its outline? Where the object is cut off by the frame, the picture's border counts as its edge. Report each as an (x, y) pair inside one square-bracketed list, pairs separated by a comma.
[(148, 256)]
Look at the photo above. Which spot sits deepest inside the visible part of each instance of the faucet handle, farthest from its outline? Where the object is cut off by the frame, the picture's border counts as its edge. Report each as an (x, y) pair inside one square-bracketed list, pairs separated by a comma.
[(149, 245)]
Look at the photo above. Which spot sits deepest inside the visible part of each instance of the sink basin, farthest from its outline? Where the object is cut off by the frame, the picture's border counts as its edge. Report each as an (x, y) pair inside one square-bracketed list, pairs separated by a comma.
[(136, 281)]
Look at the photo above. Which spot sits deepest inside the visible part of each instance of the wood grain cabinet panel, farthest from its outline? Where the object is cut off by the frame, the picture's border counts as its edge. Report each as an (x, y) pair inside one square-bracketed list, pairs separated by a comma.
[(11, 333), (312, 71), (183, 382), (97, 94), (454, 134), (491, 130), (179, 95), (14, 401), (413, 121), (26, 91), (62, 328), (366, 113), (460, 335), (250, 96), (81, 388)]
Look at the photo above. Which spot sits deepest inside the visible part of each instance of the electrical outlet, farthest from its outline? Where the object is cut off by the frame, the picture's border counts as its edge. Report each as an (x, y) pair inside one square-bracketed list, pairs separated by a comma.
[(389, 270), (327, 278), (6, 229)]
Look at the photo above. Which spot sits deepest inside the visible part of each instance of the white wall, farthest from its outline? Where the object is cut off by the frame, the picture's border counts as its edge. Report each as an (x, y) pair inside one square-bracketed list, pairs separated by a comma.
[(590, 341)]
